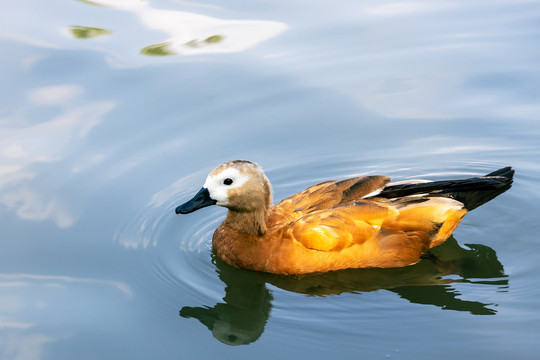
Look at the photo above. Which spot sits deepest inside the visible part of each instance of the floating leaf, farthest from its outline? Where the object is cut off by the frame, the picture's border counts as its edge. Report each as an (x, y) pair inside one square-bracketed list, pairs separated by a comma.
[(214, 39), (162, 49), (91, 2), (87, 32)]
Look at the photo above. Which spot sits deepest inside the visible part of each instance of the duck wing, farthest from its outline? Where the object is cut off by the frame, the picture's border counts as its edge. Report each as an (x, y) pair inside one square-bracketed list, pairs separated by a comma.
[(390, 226), (325, 196), (339, 227)]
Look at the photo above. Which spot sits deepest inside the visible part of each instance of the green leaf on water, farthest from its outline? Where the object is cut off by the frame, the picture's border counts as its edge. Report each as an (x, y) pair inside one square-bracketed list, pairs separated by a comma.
[(161, 49), (87, 32)]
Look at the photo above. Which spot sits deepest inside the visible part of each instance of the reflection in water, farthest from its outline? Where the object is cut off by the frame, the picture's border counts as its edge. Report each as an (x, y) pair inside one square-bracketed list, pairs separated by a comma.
[(241, 318), (25, 143), (162, 49), (191, 33), (86, 32), (33, 307), (167, 48)]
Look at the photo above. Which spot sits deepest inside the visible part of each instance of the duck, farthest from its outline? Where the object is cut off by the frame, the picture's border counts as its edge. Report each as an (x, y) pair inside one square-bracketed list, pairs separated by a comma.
[(359, 222)]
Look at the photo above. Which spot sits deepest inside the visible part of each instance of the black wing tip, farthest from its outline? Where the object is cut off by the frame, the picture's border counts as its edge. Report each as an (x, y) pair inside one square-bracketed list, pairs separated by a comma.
[(507, 172), (473, 192), (505, 176)]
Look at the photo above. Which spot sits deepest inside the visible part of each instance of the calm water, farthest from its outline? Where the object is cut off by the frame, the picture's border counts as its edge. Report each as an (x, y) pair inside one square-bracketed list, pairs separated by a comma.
[(112, 112)]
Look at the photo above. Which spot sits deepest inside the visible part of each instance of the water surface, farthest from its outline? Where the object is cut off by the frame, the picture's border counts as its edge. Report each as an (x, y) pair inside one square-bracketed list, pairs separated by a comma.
[(112, 112)]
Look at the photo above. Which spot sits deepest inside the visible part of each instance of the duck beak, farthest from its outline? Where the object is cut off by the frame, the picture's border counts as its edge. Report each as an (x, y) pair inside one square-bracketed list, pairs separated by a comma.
[(200, 200)]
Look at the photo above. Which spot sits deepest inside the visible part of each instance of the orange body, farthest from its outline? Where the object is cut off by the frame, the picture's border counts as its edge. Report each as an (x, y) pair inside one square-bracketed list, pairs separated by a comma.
[(324, 228), (354, 223)]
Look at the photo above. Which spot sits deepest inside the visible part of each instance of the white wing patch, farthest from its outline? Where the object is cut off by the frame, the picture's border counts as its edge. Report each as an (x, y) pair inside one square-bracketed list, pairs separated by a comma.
[(404, 182), (373, 193)]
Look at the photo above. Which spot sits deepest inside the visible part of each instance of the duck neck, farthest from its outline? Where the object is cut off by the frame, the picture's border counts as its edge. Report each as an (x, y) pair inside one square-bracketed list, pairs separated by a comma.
[(252, 222)]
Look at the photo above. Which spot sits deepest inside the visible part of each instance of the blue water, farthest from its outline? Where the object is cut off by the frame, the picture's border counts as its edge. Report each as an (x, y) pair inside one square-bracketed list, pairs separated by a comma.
[(112, 112)]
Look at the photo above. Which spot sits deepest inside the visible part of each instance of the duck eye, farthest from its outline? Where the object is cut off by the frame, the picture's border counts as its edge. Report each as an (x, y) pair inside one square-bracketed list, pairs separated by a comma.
[(228, 181)]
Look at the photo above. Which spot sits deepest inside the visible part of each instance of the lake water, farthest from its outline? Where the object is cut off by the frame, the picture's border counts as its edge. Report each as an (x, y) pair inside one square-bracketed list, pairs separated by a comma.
[(112, 112)]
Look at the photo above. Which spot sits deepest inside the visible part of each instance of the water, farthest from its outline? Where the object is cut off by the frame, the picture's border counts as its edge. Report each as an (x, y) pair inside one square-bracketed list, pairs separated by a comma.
[(112, 112)]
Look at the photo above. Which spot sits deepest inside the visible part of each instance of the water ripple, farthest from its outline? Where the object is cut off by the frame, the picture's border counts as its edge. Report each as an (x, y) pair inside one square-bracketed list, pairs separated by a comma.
[(178, 255)]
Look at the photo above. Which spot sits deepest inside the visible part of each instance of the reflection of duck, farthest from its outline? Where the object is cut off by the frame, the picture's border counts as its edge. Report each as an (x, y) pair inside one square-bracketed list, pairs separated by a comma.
[(362, 222), (241, 317), (426, 282)]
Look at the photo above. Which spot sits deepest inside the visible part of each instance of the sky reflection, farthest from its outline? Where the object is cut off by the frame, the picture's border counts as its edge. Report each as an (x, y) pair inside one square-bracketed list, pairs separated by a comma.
[(26, 141), (31, 306), (189, 33)]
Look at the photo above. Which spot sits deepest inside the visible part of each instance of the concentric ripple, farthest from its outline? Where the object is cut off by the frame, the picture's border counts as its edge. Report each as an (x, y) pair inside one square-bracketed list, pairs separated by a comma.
[(184, 276), (175, 249)]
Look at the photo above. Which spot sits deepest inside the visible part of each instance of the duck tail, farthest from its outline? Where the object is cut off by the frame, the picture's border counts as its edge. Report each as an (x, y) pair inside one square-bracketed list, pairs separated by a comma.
[(485, 188), (472, 192)]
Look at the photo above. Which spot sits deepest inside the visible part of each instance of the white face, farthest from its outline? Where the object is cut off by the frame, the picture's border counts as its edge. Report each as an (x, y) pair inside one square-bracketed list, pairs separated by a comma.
[(219, 184)]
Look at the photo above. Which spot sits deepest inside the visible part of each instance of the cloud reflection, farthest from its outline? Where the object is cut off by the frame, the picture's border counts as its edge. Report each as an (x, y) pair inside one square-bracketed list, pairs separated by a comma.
[(31, 205), (190, 33), (29, 303), (406, 8), (25, 143), (32, 280), (55, 95), (23, 347)]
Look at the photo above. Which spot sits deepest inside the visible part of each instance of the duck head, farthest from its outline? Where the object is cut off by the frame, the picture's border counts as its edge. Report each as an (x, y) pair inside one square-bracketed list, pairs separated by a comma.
[(239, 185)]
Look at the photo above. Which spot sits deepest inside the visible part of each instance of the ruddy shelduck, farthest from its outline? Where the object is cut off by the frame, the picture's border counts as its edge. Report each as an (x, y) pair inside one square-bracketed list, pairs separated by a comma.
[(360, 222)]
